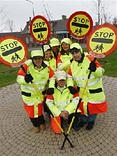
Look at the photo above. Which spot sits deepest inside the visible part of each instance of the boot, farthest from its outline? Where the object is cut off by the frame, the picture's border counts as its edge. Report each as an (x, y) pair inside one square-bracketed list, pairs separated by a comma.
[(43, 127), (90, 126), (82, 124), (78, 125)]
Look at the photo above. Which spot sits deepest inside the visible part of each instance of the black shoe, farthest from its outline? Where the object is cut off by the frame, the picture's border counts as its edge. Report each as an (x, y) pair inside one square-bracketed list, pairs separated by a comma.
[(90, 126), (82, 124), (76, 128)]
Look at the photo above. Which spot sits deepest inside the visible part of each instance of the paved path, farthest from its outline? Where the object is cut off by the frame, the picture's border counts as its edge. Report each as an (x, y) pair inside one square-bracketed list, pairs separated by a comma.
[(17, 140)]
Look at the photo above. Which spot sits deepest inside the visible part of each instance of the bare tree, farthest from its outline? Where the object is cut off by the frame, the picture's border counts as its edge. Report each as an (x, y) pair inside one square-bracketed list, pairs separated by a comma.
[(103, 16), (106, 17), (6, 24), (99, 8), (10, 25), (2, 20)]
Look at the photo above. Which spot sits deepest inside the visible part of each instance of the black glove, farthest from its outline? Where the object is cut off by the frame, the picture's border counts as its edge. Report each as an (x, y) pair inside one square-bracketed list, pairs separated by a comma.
[(50, 91), (28, 78), (92, 67), (72, 90), (44, 92)]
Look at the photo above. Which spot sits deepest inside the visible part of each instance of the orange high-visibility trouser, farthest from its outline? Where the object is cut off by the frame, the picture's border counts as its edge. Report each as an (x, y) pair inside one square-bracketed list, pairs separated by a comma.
[(54, 126)]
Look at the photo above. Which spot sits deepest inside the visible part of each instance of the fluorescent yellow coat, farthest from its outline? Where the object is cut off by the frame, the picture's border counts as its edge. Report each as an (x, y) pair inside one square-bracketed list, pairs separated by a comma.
[(78, 75), (40, 80), (60, 101)]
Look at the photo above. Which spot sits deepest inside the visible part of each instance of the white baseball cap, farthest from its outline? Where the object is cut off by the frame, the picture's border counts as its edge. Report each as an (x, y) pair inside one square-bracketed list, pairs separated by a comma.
[(60, 75), (46, 47)]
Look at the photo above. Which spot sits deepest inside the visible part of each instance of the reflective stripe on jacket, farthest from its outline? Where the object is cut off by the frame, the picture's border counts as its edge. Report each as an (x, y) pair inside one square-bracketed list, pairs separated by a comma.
[(31, 110)]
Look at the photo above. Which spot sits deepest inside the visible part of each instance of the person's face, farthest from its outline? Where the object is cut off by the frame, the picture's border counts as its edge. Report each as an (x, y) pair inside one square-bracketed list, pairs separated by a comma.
[(61, 83), (38, 61), (76, 55), (48, 55), (55, 49), (65, 46)]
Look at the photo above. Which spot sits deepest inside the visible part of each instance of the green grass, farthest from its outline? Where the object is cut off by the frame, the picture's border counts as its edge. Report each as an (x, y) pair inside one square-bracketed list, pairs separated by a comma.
[(8, 74), (110, 64)]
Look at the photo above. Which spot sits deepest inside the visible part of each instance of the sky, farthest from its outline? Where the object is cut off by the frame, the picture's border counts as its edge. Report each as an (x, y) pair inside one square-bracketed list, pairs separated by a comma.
[(17, 12)]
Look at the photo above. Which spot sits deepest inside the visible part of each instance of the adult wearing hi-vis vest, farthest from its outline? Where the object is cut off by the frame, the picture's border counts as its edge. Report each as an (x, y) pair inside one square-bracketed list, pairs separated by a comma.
[(91, 90), (33, 77), (62, 103)]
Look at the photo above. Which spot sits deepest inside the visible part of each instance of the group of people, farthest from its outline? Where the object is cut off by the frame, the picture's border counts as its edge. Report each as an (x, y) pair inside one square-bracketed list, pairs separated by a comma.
[(62, 80)]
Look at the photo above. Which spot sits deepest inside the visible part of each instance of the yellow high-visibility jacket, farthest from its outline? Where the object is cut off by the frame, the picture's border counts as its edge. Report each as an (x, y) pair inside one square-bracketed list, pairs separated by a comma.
[(91, 90), (51, 63), (60, 101), (32, 92)]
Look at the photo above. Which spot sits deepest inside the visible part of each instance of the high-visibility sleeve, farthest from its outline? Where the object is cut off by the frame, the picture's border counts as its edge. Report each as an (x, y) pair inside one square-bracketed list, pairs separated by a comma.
[(99, 72), (51, 78), (28, 62), (20, 80), (71, 107), (69, 79), (64, 66), (50, 103), (21, 74)]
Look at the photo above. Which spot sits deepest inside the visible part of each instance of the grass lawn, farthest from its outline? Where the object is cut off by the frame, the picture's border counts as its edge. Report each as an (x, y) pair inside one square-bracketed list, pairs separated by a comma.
[(8, 74), (110, 64)]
